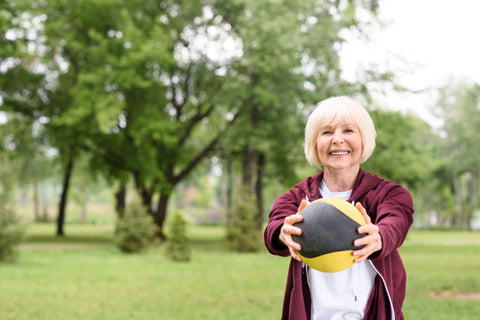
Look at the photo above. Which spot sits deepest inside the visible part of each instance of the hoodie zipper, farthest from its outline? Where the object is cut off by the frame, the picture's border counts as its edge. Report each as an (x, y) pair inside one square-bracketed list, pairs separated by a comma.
[(386, 289)]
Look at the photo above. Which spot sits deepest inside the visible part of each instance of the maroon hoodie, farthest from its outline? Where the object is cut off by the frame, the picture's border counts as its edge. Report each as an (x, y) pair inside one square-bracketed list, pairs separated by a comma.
[(390, 207)]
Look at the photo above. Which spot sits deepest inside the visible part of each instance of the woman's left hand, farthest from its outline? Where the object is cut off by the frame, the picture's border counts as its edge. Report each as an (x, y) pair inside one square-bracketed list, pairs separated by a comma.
[(372, 241)]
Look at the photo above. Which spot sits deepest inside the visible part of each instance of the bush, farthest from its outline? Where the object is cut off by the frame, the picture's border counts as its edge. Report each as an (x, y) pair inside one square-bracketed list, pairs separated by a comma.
[(11, 229), (178, 247), (242, 229), (11, 234), (136, 228)]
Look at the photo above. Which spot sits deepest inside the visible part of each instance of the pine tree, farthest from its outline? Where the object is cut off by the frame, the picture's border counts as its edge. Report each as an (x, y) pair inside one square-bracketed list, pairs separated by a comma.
[(178, 247)]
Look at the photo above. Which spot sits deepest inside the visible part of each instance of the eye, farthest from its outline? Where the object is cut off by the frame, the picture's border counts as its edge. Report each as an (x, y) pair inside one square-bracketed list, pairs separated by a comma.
[(349, 130), (326, 132)]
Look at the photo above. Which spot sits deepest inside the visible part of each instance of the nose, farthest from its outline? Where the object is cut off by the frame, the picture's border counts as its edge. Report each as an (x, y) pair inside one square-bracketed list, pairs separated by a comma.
[(337, 138)]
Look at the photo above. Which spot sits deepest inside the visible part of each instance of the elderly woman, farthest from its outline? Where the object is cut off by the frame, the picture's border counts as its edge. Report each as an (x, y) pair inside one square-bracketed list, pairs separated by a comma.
[(339, 136)]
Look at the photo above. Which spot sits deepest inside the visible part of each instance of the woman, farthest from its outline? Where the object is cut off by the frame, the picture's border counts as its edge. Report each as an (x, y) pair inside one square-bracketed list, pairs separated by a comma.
[(339, 136)]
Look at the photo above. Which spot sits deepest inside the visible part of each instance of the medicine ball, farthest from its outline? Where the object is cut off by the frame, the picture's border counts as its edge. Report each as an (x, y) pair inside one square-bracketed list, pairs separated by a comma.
[(329, 228)]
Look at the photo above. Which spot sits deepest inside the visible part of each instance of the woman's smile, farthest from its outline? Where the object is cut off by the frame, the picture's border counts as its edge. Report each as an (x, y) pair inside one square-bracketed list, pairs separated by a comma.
[(339, 153), (339, 145)]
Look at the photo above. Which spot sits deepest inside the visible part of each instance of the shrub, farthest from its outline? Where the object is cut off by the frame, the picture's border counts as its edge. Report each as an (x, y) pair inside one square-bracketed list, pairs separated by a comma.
[(11, 229), (178, 246), (242, 230), (136, 228), (11, 234)]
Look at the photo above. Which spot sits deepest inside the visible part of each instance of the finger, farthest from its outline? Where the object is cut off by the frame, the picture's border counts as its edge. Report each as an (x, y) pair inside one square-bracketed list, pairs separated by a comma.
[(368, 229), (362, 254), (361, 258), (294, 254), (296, 218), (364, 213), (292, 244), (370, 245), (370, 232), (286, 236)]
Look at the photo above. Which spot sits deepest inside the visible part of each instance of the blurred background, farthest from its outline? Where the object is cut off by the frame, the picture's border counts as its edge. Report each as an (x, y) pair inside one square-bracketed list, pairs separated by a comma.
[(200, 106)]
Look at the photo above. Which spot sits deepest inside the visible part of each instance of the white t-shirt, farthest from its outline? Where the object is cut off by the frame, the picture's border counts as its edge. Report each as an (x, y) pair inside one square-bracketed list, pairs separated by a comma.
[(344, 294)]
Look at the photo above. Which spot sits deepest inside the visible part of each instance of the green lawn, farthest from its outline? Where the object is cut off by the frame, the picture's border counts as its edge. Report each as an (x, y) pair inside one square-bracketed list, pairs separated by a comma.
[(86, 277), (443, 270)]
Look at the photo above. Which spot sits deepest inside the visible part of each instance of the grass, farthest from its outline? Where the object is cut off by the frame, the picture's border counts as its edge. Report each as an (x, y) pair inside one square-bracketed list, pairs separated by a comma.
[(439, 262), (85, 276)]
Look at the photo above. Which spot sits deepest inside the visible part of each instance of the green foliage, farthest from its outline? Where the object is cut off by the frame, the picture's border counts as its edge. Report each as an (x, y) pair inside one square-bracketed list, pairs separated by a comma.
[(178, 246), (289, 63), (458, 107), (11, 233), (403, 151), (135, 229), (242, 233), (11, 228), (128, 82), (135, 82)]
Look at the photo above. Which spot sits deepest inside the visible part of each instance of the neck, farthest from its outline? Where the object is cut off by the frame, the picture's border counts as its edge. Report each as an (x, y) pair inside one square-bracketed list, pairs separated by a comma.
[(338, 180)]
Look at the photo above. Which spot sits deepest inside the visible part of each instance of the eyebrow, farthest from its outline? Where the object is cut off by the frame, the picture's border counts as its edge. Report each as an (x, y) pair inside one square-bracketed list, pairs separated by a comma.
[(347, 125)]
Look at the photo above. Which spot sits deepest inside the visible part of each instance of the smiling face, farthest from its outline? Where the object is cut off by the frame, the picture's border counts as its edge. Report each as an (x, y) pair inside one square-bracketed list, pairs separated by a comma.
[(339, 145), (338, 113)]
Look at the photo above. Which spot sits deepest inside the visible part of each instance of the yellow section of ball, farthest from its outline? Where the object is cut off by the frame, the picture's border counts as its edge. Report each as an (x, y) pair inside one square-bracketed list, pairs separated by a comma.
[(347, 208), (331, 262)]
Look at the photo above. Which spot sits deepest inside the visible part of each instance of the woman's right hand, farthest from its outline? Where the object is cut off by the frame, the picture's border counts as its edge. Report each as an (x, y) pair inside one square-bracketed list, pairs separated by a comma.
[(288, 229)]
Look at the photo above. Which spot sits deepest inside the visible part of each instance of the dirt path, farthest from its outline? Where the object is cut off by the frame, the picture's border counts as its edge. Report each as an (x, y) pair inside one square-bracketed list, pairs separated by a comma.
[(462, 296), (63, 245)]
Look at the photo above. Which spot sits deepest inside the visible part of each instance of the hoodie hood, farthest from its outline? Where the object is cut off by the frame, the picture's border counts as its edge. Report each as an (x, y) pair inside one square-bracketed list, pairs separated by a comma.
[(364, 183)]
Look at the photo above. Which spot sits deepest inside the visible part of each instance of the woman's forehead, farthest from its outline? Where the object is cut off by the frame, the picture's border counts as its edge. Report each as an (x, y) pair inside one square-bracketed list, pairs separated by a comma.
[(342, 120)]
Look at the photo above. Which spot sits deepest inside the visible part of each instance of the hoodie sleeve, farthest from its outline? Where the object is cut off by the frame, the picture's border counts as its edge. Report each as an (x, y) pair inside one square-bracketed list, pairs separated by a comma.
[(393, 216), (284, 206)]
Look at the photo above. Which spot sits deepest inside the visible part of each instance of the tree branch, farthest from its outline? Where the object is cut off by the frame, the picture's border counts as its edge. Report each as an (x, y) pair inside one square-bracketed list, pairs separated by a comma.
[(192, 122), (208, 148)]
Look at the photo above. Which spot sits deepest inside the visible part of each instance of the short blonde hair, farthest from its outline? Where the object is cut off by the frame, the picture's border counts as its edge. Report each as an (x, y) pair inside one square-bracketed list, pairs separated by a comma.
[(330, 111)]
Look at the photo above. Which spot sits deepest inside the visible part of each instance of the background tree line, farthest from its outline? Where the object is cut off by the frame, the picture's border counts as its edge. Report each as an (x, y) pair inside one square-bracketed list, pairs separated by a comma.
[(145, 93)]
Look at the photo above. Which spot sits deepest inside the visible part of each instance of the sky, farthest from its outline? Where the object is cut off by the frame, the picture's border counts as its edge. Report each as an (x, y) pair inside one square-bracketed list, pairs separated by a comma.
[(426, 43)]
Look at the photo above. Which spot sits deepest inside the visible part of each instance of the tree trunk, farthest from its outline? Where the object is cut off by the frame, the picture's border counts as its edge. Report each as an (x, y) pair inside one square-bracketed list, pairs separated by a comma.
[(259, 188), (249, 161), (36, 198), (120, 200), (161, 214), (143, 192), (63, 198), (228, 176), (456, 218), (470, 201), (83, 214), (44, 203)]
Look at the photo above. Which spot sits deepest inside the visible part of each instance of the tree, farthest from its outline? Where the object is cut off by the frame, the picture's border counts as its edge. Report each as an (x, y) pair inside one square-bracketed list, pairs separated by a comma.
[(157, 111), (404, 149), (136, 85), (178, 247), (290, 61), (458, 107), (21, 95)]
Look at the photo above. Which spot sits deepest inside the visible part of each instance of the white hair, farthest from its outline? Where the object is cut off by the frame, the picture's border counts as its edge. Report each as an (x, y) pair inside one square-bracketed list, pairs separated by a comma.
[(330, 112)]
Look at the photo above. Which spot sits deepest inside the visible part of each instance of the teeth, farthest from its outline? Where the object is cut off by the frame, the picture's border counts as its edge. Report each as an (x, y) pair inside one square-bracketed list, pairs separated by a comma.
[(339, 153)]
